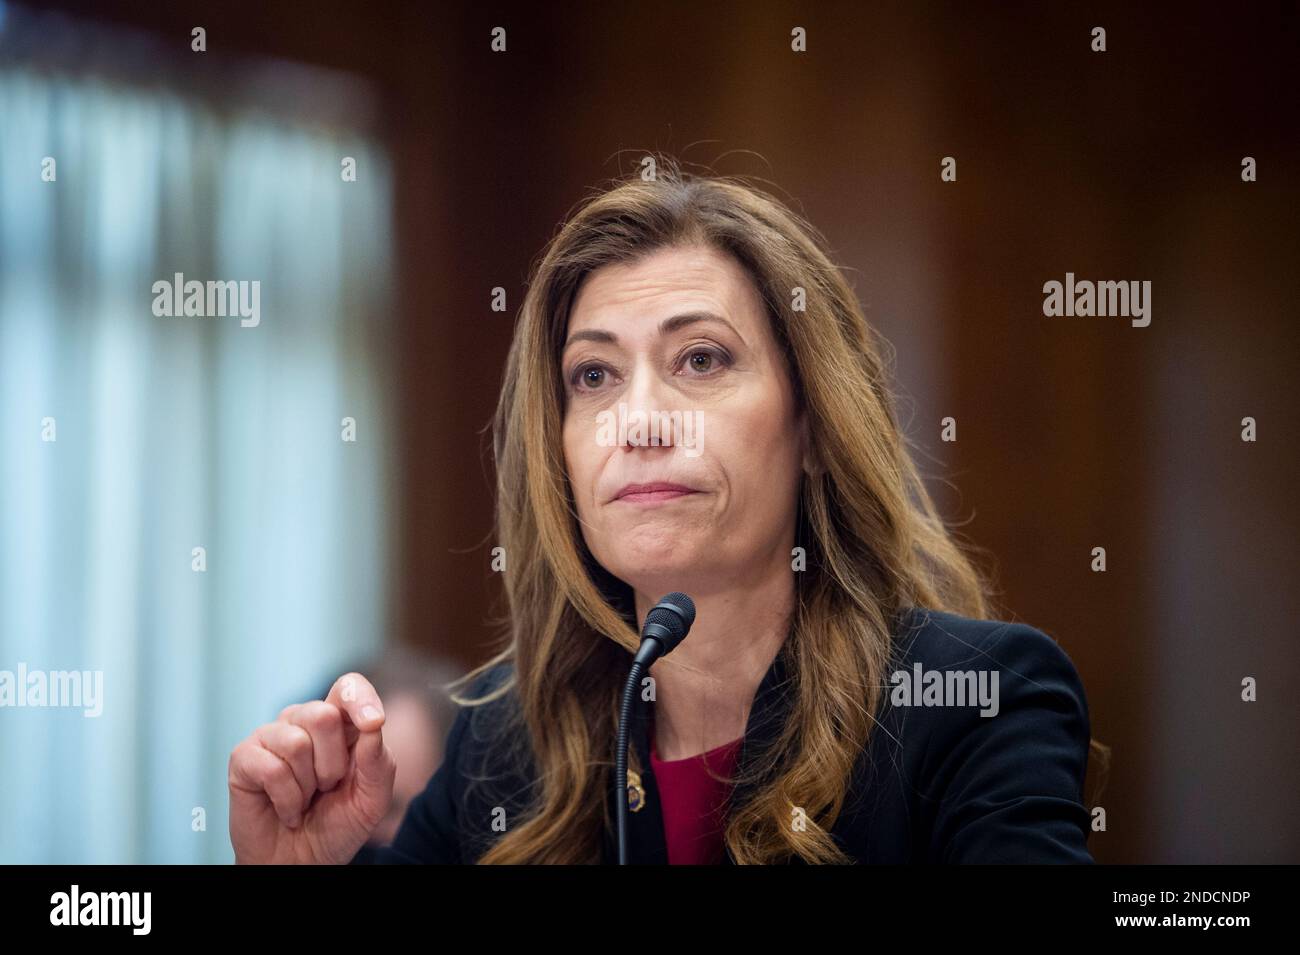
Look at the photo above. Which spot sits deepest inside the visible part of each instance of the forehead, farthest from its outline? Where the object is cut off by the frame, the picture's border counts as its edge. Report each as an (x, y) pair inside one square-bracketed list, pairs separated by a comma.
[(666, 281)]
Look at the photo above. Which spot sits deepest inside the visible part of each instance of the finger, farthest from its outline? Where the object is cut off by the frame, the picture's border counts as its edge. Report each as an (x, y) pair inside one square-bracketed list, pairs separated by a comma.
[(293, 744), (255, 769), (353, 694), (324, 723), (350, 732)]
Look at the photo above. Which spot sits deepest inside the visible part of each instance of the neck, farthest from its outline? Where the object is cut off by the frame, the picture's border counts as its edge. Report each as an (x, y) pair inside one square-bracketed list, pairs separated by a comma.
[(704, 689)]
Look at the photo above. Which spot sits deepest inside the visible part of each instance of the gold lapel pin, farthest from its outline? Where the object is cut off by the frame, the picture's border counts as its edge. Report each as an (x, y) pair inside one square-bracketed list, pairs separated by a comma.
[(635, 792)]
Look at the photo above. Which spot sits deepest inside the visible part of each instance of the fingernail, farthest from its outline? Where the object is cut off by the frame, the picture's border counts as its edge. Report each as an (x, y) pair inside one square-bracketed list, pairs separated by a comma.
[(370, 713)]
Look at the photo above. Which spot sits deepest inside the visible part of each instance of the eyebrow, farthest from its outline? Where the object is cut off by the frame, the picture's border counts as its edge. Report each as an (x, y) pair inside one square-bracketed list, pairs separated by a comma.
[(666, 327)]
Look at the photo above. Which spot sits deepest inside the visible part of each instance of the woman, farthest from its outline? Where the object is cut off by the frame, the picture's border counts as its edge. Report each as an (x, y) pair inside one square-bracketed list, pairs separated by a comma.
[(694, 402)]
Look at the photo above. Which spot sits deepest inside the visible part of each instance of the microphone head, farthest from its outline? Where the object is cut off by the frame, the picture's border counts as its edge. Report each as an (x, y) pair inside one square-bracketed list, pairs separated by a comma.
[(671, 619)]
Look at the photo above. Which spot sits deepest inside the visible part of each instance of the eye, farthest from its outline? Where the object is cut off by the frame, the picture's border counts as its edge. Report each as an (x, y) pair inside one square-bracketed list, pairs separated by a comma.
[(588, 377), (704, 361)]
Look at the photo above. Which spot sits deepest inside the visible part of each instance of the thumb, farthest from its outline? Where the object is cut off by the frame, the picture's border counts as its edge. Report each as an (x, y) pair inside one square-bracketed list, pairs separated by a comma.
[(375, 772)]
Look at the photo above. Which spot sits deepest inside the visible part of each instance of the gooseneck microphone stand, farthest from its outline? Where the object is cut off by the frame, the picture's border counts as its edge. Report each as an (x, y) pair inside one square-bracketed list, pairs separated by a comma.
[(666, 625)]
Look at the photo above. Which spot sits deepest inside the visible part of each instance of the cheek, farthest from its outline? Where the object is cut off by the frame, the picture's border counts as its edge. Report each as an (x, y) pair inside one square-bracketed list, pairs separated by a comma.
[(581, 462), (759, 446)]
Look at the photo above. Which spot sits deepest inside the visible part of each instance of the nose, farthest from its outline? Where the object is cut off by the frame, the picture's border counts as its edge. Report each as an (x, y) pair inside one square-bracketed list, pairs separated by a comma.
[(650, 422)]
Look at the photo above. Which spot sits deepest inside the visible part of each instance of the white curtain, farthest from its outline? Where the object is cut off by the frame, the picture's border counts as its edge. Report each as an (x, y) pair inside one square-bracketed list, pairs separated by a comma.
[(178, 433)]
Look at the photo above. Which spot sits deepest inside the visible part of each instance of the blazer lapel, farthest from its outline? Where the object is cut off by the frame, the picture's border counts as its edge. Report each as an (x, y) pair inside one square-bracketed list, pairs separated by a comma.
[(766, 719), (646, 844)]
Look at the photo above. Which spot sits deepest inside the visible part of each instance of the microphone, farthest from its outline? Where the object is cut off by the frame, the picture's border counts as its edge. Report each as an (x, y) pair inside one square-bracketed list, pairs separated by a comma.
[(666, 625)]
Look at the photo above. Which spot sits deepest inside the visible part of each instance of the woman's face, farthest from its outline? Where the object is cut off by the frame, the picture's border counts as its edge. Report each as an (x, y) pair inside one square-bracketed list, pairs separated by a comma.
[(682, 330)]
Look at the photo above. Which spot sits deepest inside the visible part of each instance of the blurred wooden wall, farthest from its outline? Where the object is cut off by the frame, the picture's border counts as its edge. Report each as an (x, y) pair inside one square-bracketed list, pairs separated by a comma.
[(1072, 432)]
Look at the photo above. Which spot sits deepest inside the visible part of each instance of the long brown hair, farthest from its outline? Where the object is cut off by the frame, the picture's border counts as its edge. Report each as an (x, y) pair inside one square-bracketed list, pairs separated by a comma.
[(873, 539)]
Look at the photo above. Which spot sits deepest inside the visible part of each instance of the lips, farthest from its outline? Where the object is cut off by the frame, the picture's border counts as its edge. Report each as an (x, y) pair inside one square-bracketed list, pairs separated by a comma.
[(653, 491)]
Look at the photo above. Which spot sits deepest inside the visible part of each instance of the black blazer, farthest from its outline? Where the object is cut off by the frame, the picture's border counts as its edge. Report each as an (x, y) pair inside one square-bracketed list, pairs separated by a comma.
[(935, 784)]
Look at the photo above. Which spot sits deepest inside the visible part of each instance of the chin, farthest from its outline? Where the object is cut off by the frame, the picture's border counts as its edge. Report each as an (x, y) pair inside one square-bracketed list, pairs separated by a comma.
[(651, 565)]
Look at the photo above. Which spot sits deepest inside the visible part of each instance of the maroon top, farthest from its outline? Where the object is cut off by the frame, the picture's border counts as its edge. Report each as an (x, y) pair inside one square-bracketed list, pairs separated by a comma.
[(693, 803)]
